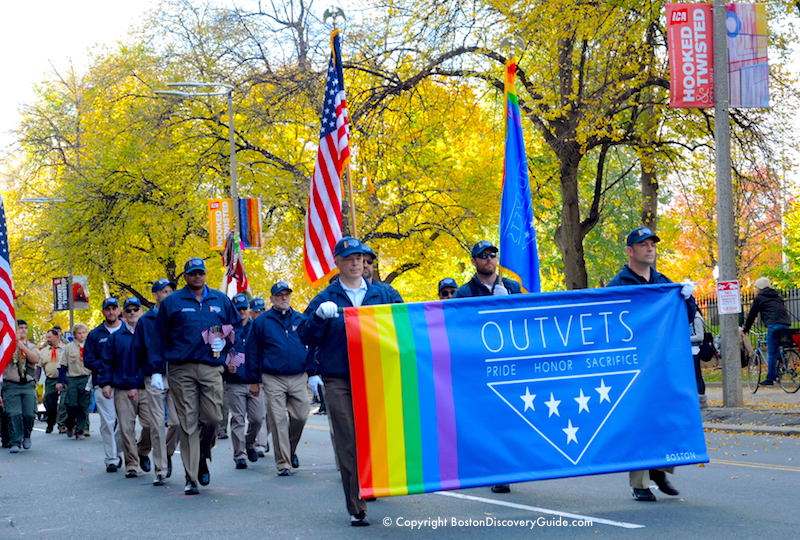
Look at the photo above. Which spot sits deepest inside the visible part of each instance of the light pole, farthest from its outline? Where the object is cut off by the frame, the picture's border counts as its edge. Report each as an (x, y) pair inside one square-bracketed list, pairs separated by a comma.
[(227, 90), (51, 200)]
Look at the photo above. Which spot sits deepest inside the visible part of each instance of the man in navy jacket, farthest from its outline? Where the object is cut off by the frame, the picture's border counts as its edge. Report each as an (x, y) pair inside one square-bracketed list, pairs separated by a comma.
[(275, 344), (323, 328), (195, 364)]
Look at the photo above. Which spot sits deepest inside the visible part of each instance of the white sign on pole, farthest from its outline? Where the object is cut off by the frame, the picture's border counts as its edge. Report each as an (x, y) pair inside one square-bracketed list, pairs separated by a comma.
[(728, 297)]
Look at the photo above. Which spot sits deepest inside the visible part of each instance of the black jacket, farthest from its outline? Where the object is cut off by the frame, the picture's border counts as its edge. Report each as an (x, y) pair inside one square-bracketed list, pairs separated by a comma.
[(770, 305), (474, 287)]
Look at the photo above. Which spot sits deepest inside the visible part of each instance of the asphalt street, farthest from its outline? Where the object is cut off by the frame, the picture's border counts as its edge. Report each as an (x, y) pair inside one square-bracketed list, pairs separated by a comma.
[(59, 489)]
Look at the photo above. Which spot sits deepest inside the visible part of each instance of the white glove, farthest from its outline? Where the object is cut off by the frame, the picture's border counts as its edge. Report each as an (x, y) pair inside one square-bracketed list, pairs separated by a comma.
[(157, 381), (314, 384), (687, 289), (217, 344), (327, 310)]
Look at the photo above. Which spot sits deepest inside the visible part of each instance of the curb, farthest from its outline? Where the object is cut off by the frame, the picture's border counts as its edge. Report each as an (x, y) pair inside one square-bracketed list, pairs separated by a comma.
[(752, 428)]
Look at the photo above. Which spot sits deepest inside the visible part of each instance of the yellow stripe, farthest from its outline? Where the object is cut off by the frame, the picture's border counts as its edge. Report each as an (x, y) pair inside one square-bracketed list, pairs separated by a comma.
[(767, 466), (393, 400)]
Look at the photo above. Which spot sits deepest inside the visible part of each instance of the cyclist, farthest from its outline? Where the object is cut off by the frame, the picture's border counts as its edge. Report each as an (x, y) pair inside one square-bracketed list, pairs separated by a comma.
[(774, 316)]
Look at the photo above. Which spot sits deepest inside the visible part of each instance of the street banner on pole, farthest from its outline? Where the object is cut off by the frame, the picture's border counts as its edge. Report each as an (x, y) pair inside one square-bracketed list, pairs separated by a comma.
[(691, 55), (489, 390), (61, 294), (220, 222), (250, 223), (748, 68)]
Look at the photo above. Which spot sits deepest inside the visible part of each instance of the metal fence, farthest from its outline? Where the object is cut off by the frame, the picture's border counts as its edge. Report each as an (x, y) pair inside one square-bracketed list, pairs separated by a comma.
[(708, 305)]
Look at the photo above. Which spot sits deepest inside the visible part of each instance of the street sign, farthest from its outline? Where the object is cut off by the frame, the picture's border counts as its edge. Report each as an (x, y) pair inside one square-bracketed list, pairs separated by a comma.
[(728, 298)]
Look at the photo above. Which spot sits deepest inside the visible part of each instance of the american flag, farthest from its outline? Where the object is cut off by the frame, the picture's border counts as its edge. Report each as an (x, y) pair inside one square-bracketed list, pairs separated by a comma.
[(8, 338), (324, 216)]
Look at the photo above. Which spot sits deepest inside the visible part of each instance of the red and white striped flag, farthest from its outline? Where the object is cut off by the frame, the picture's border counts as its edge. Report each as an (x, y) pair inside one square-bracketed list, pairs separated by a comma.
[(324, 215), (8, 335)]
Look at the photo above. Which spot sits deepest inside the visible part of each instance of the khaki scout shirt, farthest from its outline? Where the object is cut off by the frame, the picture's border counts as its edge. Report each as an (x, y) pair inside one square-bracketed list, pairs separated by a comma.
[(73, 359), (21, 363), (50, 359)]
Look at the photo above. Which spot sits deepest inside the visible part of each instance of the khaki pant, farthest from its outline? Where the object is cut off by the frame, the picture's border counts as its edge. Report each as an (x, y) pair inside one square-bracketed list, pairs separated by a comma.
[(641, 479), (20, 408), (160, 434), (340, 413), (242, 404), (109, 430), (127, 411), (286, 394), (197, 392)]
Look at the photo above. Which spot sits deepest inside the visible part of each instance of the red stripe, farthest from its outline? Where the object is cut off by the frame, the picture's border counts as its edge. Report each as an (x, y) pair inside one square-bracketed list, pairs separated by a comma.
[(358, 386)]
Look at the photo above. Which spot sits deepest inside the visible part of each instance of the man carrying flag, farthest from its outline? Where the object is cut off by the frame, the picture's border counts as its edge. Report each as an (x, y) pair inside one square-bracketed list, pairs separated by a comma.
[(324, 216)]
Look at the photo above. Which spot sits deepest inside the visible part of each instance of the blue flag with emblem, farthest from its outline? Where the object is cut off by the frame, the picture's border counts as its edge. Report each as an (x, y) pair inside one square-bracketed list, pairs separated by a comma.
[(518, 251)]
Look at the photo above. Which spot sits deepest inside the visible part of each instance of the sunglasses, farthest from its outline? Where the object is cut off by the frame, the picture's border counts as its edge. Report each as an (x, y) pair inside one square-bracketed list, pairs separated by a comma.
[(446, 294), (131, 310), (487, 255), (243, 309)]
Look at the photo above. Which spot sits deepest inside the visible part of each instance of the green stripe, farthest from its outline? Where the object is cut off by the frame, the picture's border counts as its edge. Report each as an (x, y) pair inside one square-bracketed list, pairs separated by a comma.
[(408, 370), (513, 98)]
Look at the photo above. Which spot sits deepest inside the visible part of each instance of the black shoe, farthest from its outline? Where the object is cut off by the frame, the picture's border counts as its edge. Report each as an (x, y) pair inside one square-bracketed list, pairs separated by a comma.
[(266, 448), (295, 461), (370, 499), (203, 475), (664, 485), (260, 453), (252, 455), (241, 463), (501, 488), (284, 472), (190, 488), (766, 382), (169, 467), (644, 495), (359, 520), (70, 433), (159, 481), (49, 429), (144, 463), (111, 467), (222, 435), (131, 474)]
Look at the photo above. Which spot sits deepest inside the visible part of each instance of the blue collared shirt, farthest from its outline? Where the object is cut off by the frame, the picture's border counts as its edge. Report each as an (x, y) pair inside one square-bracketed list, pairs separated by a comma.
[(356, 296)]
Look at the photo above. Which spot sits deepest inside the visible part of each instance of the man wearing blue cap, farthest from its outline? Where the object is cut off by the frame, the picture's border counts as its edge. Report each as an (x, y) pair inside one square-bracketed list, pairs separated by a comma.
[(487, 282), (281, 356), (641, 250), (190, 326), (322, 327), (242, 378), (163, 438), (257, 308), (447, 288), (96, 341), (369, 274)]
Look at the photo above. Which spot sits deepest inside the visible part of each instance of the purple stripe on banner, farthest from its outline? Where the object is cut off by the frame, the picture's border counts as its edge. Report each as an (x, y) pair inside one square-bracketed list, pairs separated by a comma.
[(445, 411)]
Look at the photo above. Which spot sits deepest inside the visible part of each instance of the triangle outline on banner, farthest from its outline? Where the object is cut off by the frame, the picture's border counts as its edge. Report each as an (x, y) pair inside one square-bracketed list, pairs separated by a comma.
[(575, 461)]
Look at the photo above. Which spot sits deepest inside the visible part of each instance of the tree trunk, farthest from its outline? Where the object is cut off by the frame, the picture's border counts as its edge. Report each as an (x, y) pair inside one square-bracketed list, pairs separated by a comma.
[(569, 234)]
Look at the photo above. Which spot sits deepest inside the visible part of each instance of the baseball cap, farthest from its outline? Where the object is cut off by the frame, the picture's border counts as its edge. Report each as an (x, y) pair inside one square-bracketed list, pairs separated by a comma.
[(640, 235), (110, 302), (257, 304), (482, 246), (347, 246), (279, 287), (132, 301), (194, 264), (366, 250), (239, 301), (447, 282), (161, 283)]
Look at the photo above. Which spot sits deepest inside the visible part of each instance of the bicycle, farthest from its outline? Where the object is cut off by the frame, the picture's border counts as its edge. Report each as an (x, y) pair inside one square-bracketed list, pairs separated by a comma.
[(788, 368)]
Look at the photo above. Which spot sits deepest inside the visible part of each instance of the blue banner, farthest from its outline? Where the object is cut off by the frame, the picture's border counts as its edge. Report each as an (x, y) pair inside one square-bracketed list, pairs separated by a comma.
[(572, 383)]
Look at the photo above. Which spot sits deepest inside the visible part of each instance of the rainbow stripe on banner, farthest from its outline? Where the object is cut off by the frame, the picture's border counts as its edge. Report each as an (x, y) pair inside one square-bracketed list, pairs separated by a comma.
[(400, 450), (250, 223)]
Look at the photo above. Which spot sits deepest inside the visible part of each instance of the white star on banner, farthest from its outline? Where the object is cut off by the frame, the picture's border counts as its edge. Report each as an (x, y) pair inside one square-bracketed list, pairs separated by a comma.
[(570, 430), (553, 406), (583, 402), (603, 390), (528, 399)]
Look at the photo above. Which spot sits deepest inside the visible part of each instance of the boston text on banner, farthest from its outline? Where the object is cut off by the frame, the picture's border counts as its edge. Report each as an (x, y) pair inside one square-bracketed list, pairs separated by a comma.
[(488, 390)]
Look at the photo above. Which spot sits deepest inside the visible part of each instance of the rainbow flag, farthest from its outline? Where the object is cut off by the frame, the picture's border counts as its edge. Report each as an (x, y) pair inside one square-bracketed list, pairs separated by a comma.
[(489, 390), (250, 223)]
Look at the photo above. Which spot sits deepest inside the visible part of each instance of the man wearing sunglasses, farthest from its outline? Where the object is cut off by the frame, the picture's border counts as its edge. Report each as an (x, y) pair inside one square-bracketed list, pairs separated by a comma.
[(447, 288), (487, 282)]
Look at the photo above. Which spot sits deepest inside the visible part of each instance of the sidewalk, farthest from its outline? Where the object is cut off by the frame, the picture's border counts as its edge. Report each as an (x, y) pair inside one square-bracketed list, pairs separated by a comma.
[(770, 410)]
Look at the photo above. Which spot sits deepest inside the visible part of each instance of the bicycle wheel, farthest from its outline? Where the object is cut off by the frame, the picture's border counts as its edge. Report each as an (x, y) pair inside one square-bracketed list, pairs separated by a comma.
[(753, 374), (789, 374)]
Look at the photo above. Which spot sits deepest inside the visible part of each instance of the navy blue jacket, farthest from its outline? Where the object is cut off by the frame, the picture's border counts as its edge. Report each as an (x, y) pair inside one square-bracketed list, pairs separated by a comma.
[(180, 322), (250, 371), (474, 287), (96, 342), (276, 345), (121, 367), (393, 294), (329, 335), (143, 340), (626, 276)]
